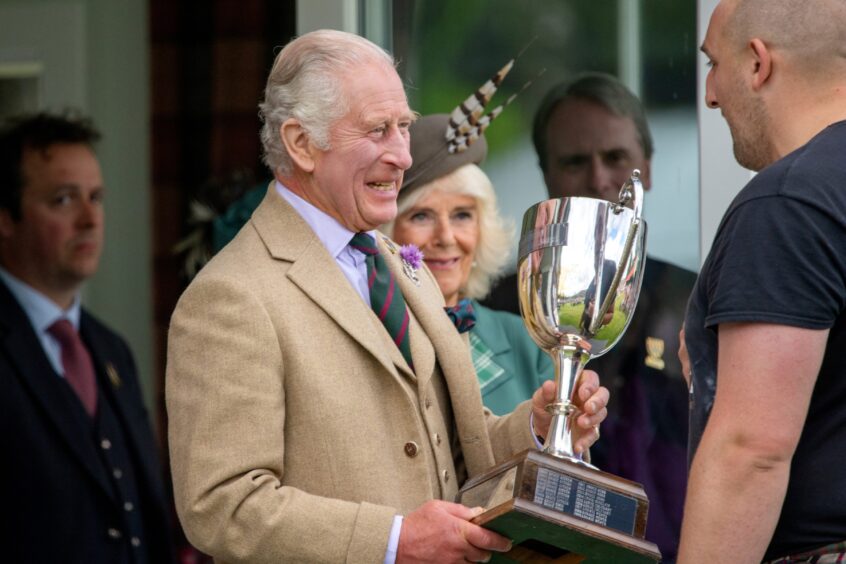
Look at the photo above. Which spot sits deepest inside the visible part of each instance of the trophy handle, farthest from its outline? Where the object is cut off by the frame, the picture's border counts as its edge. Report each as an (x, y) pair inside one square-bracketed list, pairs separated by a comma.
[(631, 190)]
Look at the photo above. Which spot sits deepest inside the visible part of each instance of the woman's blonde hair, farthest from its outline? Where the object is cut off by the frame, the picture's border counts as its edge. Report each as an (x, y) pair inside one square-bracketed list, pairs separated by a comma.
[(495, 232)]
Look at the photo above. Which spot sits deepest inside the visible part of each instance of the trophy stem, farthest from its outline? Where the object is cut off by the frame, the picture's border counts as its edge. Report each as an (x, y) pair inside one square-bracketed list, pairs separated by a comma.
[(569, 361)]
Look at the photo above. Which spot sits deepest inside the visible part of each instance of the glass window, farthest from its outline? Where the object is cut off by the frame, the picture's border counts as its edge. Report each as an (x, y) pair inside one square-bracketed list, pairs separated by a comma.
[(448, 49)]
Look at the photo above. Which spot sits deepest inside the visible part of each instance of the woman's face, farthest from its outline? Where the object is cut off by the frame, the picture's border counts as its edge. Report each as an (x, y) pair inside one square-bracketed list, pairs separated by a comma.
[(446, 228)]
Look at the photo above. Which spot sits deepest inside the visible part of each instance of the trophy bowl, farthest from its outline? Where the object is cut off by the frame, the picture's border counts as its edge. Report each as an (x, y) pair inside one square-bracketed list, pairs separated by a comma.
[(580, 269)]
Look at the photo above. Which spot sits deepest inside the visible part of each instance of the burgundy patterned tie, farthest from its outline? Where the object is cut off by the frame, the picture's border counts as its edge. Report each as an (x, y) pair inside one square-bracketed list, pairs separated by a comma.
[(76, 361), (385, 296)]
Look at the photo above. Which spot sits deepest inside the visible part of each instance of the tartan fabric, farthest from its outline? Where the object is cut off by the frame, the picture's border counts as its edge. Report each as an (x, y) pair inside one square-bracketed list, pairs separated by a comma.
[(829, 554), (462, 315), (487, 371), (385, 295)]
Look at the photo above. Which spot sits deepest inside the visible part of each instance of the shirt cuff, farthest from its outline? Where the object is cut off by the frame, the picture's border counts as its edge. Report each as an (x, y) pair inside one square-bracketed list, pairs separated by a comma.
[(393, 540)]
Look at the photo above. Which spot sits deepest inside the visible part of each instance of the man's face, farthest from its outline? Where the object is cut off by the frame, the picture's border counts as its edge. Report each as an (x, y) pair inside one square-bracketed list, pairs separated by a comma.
[(590, 151), (57, 242), (725, 88), (357, 179)]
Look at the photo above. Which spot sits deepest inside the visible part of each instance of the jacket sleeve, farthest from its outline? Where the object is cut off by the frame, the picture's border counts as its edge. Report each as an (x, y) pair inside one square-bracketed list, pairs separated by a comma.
[(225, 388)]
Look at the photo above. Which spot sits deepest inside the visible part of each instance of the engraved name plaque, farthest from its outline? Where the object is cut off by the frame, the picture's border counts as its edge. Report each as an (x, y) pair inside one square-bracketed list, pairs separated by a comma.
[(557, 511)]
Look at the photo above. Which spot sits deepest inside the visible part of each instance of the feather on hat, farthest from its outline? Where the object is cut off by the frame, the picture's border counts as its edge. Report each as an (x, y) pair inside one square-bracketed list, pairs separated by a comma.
[(441, 143)]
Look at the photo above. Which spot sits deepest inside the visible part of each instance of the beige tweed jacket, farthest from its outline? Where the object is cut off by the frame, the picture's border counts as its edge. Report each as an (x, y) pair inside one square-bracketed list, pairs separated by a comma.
[(296, 429)]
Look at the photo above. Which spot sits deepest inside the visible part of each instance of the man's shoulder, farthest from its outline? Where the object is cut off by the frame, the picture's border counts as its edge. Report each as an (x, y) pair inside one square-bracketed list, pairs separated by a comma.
[(98, 329)]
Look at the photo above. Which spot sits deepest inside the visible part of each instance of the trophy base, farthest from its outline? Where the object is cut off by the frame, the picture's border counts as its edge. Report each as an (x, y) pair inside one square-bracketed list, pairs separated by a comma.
[(558, 511)]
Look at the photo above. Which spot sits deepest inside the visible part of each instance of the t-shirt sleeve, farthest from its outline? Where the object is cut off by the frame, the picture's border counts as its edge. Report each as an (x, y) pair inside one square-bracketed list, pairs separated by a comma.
[(778, 260)]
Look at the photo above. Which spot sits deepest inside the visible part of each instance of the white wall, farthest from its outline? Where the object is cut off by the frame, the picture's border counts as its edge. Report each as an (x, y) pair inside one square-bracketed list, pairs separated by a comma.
[(94, 56)]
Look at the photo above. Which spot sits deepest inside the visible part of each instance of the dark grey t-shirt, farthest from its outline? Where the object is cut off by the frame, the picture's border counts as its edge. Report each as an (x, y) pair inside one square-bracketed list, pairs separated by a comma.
[(779, 256)]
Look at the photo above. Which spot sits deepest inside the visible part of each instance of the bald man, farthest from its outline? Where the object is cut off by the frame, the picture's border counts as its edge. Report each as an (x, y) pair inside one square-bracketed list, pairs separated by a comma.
[(766, 324)]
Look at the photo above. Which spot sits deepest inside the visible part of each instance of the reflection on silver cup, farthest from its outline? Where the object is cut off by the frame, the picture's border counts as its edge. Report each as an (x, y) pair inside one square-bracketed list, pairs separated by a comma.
[(580, 269)]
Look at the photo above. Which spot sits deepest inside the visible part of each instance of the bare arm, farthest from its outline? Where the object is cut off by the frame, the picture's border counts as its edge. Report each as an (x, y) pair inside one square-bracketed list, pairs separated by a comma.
[(739, 476)]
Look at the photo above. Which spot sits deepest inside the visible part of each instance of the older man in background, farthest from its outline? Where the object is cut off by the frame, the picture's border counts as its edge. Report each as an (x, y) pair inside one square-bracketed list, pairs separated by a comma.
[(321, 403)]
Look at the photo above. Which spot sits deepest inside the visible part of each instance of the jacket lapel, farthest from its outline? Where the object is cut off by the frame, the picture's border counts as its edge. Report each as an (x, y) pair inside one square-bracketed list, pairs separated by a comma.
[(452, 353), (289, 238), (32, 367), (118, 387), (491, 333)]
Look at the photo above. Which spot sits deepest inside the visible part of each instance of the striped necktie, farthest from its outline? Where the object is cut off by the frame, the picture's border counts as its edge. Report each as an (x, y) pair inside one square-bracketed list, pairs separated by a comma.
[(385, 295)]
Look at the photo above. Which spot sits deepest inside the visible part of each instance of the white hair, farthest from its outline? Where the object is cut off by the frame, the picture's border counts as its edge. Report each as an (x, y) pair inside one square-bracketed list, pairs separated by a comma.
[(306, 84), (495, 232)]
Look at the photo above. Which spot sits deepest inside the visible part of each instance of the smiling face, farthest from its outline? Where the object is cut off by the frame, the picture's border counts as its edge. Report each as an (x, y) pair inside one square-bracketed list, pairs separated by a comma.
[(590, 151), (357, 179), (56, 244), (445, 226)]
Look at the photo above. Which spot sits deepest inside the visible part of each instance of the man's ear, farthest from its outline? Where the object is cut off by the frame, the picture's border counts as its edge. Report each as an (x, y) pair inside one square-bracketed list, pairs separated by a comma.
[(298, 144), (763, 59)]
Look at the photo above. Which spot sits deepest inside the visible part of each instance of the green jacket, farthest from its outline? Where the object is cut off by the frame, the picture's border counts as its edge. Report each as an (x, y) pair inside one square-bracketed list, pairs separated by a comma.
[(525, 366)]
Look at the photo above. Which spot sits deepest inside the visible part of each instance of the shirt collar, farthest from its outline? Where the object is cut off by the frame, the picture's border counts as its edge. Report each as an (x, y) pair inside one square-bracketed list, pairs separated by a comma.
[(334, 236), (40, 309)]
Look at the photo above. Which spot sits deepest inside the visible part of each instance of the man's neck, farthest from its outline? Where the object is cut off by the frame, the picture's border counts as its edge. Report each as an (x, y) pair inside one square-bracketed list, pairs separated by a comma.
[(63, 298), (806, 115)]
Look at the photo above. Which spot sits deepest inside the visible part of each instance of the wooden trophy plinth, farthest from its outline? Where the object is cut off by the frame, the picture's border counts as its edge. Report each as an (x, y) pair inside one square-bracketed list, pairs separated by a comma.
[(558, 511)]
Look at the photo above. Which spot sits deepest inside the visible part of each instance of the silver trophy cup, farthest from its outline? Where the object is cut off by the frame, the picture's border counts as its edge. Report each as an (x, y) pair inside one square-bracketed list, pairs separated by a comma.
[(581, 265), (580, 269)]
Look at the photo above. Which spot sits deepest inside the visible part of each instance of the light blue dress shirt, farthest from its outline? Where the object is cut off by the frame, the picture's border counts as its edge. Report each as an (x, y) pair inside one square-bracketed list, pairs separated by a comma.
[(336, 238), (42, 313)]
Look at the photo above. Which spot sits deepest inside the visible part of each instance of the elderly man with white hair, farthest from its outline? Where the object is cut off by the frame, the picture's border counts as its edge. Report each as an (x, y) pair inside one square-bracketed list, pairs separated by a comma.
[(322, 406)]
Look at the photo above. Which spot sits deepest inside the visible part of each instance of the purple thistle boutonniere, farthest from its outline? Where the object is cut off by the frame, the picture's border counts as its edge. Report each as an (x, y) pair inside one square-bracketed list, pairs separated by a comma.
[(412, 259)]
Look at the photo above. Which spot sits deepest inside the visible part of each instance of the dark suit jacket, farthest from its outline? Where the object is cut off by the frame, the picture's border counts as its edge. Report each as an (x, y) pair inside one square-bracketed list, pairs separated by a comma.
[(57, 504), (645, 436)]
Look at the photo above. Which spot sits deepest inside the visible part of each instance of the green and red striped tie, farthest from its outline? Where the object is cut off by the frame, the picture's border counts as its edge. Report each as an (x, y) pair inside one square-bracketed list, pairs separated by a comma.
[(385, 295)]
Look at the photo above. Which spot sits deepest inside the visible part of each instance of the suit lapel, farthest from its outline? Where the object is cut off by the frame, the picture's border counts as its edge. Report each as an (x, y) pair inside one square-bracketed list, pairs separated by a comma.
[(122, 392), (454, 357), (289, 238), (35, 372)]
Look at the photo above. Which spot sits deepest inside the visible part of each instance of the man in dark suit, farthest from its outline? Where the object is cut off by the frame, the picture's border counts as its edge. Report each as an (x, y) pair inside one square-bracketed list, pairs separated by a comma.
[(81, 478), (589, 133)]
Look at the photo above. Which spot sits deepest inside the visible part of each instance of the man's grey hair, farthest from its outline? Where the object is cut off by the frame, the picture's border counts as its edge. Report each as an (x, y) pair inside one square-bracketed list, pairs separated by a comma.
[(306, 83), (602, 89)]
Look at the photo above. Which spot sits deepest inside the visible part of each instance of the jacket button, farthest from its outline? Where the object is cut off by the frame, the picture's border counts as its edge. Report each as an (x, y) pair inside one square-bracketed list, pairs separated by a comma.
[(411, 449), (428, 403), (113, 533), (445, 475), (437, 438)]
